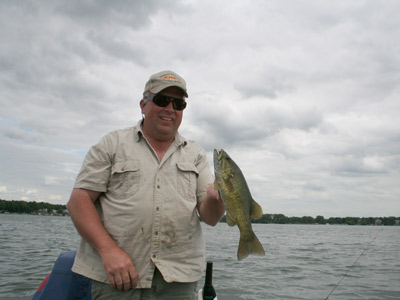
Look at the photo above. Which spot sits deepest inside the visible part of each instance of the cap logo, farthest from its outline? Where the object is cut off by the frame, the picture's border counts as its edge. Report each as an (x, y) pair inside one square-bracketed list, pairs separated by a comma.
[(163, 80), (170, 78)]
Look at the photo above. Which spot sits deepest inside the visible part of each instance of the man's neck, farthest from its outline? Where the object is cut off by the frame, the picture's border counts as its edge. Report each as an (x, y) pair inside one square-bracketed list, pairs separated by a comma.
[(158, 145)]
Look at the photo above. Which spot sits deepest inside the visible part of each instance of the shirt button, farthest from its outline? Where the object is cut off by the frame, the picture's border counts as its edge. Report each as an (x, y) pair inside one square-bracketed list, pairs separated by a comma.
[(156, 233), (154, 256), (158, 186), (157, 208)]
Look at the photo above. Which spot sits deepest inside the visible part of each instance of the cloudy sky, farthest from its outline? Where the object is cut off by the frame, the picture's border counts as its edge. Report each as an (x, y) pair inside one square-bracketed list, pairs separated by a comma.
[(303, 95)]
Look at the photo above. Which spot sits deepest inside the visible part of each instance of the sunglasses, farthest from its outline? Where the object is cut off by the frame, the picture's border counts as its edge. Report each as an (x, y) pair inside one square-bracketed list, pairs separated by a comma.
[(164, 101)]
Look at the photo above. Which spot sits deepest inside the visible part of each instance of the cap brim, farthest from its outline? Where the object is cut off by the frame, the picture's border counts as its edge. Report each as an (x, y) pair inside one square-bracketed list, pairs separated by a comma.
[(161, 88)]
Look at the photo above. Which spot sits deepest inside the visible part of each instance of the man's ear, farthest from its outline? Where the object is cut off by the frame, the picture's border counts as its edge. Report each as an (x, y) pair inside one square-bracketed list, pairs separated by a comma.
[(142, 105)]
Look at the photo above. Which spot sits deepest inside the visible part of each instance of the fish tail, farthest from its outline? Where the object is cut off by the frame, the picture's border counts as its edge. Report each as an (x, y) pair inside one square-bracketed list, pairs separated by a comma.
[(249, 246)]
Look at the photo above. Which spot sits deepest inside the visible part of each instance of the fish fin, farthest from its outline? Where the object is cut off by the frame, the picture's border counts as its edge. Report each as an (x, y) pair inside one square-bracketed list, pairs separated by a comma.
[(249, 246), (230, 220), (256, 211)]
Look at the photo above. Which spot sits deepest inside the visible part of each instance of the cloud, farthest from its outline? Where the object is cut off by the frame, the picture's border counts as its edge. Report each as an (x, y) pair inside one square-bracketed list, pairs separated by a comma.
[(104, 13), (270, 88), (31, 192), (55, 198), (304, 96), (51, 180)]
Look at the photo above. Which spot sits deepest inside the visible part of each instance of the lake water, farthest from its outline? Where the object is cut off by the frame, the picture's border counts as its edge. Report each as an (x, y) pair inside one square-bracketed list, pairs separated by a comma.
[(301, 261)]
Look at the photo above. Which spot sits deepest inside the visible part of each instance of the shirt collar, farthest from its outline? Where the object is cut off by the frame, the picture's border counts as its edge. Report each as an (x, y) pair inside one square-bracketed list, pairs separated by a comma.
[(138, 131)]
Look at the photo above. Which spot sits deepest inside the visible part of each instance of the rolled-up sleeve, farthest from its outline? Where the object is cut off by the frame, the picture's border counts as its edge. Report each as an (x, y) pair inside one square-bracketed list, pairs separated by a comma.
[(205, 177), (96, 169)]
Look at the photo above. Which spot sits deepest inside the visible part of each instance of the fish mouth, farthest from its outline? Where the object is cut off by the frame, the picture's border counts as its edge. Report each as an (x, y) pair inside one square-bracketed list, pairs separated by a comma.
[(217, 161), (218, 153)]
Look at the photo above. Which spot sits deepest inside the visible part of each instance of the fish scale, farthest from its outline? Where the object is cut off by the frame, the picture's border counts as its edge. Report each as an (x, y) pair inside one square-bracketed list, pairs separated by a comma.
[(240, 205)]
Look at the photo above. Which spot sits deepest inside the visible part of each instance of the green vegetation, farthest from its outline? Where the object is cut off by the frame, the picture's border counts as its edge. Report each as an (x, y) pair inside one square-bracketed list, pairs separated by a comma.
[(36, 208), (43, 208), (282, 219)]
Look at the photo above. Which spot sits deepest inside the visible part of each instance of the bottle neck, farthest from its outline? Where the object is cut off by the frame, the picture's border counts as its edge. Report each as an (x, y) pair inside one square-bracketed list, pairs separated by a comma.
[(208, 280)]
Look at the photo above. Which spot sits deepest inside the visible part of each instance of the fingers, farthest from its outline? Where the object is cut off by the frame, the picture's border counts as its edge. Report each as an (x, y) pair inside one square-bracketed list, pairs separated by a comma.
[(129, 280), (214, 194), (124, 281), (133, 276), (111, 281), (115, 281), (121, 273)]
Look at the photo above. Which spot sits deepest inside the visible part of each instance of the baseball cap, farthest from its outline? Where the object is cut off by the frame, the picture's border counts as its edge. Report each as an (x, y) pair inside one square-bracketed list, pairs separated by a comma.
[(163, 80)]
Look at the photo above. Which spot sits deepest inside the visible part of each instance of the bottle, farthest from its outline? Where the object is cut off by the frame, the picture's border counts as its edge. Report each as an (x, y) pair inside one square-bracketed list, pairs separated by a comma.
[(208, 289)]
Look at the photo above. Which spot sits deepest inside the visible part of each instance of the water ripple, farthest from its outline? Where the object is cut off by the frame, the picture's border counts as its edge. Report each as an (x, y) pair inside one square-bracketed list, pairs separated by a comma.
[(301, 261)]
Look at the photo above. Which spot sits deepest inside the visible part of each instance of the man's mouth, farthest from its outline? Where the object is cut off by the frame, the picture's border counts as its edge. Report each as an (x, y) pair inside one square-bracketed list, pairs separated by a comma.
[(166, 119)]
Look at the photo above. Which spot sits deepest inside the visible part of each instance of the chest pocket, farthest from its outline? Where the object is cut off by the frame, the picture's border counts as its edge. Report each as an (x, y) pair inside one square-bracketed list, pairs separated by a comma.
[(187, 180), (125, 178)]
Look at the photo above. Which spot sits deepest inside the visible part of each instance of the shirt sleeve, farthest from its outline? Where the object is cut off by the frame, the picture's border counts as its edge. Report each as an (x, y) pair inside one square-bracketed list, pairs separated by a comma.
[(205, 177), (96, 168)]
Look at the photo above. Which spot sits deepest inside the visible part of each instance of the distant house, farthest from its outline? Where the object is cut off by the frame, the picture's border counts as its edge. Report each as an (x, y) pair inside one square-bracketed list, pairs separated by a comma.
[(378, 222), (43, 211)]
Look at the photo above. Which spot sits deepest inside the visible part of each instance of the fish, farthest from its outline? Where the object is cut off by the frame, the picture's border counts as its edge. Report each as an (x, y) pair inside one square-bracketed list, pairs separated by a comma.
[(240, 205)]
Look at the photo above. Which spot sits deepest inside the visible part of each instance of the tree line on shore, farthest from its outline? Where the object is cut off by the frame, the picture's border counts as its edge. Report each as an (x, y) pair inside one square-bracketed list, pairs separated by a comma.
[(33, 207), (282, 219)]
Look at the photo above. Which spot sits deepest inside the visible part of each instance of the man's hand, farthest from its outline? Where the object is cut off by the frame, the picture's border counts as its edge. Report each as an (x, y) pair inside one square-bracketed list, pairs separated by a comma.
[(117, 264), (120, 270), (212, 208), (213, 194)]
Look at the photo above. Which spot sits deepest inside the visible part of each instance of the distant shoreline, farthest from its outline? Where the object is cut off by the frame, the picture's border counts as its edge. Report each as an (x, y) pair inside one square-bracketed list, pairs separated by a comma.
[(32, 208), (381, 221), (35, 214), (48, 209)]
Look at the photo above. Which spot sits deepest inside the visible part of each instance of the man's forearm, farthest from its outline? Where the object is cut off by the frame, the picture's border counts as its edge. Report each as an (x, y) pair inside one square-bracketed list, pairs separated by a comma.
[(117, 264), (87, 220)]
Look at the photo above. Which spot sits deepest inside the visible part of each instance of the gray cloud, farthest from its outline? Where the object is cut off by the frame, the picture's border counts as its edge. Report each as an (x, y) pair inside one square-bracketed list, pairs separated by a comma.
[(303, 96), (267, 88), (103, 13)]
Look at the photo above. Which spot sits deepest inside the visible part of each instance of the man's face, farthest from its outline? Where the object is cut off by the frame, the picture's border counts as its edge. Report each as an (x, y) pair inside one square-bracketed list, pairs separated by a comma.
[(162, 123)]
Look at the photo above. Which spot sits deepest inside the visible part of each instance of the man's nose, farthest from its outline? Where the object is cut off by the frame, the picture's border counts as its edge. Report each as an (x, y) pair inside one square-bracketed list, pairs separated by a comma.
[(170, 107)]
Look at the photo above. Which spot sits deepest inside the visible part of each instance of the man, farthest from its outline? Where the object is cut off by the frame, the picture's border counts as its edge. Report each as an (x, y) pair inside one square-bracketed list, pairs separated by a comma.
[(136, 202)]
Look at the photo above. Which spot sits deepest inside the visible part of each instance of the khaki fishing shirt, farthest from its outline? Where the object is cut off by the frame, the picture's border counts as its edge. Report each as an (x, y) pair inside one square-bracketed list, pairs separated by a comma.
[(147, 206)]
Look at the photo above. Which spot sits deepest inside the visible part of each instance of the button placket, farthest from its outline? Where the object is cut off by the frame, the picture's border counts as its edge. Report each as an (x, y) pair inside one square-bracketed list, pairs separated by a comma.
[(157, 218)]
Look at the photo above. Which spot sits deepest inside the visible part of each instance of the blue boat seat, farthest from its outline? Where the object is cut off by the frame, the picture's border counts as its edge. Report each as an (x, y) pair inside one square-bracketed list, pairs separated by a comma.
[(62, 283)]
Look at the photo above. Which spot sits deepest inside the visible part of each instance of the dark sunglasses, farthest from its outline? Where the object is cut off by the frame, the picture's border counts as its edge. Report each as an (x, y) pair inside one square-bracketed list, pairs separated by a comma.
[(163, 101)]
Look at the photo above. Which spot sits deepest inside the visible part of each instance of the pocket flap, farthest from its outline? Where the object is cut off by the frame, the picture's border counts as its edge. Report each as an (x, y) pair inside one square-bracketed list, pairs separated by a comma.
[(187, 167), (126, 166)]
